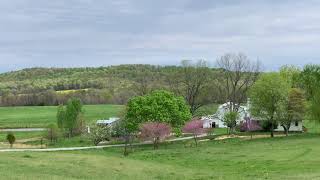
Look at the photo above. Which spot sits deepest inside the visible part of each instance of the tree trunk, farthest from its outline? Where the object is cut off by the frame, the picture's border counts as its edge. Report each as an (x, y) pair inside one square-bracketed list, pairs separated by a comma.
[(285, 130), (195, 140), (125, 153), (272, 130), (155, 144)]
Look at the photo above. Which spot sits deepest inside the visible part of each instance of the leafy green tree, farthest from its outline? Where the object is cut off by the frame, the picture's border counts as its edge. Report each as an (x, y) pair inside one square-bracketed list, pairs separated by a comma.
[(158, 106), (11, 139), (310, 78), (267, 95), (73, 112), (61, 114), (293, 109), (230, 120), (291, 74)]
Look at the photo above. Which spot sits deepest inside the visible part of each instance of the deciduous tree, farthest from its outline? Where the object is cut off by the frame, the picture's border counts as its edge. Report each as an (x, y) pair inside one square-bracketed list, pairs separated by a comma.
[(192, 82), (158, 106), (99, 134), (230, 120), (195, 127), (292, 109), (238, 74), (73, 116), (155, 131), (267, 96)]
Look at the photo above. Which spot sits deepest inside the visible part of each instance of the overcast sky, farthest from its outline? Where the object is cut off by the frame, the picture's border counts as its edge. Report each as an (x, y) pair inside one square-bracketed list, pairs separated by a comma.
[(65, 33)]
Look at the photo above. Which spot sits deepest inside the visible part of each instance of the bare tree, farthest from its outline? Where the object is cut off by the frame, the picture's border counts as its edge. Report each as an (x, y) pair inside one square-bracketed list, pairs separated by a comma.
[(238, 74), (191, 82), (142, 85)]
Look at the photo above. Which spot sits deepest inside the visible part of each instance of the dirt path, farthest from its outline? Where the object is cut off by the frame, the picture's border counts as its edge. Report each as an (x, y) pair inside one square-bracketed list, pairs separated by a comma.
[(23, 130), (88, 147)]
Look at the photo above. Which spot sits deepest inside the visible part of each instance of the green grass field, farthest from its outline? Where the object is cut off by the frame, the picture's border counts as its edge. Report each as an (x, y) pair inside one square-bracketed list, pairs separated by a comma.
[(41, 116), (295, 157)]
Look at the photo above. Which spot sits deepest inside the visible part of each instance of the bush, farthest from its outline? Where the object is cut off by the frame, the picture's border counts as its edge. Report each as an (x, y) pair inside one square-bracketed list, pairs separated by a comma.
[(11, 139), (266, 126), (52, 133)]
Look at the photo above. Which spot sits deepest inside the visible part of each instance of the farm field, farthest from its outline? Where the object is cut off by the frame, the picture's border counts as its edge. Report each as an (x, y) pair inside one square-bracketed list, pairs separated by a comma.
[(41, 116), (294, 157)]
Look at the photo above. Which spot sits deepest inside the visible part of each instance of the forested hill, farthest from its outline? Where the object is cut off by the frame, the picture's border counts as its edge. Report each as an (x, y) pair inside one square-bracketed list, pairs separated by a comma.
[(51, 86)]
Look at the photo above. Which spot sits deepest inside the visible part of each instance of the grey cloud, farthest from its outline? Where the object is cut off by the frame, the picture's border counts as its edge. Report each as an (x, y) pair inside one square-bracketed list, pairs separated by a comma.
[(96, 32)]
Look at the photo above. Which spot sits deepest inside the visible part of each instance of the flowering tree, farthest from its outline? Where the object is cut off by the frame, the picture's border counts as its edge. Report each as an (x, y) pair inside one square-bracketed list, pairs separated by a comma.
[(195, 127), (250, 125), (155, 131)]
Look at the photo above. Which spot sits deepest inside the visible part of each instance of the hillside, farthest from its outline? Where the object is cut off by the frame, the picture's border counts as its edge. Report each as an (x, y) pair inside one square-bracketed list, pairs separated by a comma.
[(52, 86)]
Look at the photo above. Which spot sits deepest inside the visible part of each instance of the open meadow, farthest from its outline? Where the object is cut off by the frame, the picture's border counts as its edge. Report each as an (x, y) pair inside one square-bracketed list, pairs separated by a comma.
[(42, 116)]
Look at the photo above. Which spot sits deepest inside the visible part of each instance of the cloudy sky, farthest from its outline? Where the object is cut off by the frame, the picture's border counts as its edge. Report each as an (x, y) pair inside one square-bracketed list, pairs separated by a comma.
[(65, 33)]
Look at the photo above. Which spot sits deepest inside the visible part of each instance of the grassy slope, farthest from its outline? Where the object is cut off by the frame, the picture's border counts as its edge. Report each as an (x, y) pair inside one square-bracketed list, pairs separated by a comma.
[(296, 157), (41, 116)]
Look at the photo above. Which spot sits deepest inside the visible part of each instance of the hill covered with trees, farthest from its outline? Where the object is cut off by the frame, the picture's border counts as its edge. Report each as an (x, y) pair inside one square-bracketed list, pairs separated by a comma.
[(112, 84)]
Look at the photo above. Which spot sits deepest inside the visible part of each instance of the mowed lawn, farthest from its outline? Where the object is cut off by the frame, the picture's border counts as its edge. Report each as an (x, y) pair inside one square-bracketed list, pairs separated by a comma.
[(41, 116), (295, 157)]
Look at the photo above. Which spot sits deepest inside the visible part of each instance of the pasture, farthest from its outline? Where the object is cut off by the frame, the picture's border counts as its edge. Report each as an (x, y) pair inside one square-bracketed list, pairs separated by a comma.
[(41, 116), (294, 157)]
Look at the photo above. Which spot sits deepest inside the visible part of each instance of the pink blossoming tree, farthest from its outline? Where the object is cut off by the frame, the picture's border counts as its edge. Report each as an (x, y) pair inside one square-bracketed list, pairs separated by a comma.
[(195, 127), (155, 131)]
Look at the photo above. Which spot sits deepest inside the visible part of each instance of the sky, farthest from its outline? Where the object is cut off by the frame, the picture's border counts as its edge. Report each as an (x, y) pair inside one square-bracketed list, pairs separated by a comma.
[(77, 33)]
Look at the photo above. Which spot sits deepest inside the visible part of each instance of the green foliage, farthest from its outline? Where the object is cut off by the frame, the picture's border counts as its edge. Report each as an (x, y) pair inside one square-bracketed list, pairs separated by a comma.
[(291, 74), (42, 116), (103, 85), (267, 95), (310, 79), (73, 118), (230, 119), (295, 157), (11, 139), (159, 106), (99, 134), (52, 133), (61, 115)]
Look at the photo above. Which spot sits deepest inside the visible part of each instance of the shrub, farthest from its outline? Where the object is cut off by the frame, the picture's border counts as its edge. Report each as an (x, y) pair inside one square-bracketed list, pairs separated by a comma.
[(11, 139), (53, 133)]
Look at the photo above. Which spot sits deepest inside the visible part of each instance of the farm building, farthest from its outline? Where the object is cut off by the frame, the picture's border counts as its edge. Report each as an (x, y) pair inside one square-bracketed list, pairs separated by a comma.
[(215, 120), (108, 122)]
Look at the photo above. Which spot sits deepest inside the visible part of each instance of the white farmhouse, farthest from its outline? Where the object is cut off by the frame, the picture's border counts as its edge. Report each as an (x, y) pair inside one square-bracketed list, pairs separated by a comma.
[(215, 120)]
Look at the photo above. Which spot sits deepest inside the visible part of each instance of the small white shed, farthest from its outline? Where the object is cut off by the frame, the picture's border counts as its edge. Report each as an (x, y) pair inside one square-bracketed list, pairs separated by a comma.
[(108, 122)]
